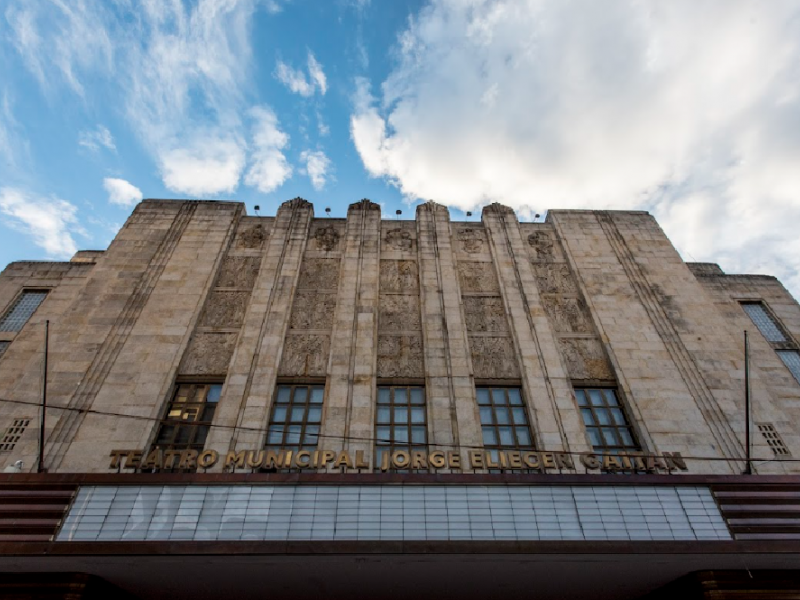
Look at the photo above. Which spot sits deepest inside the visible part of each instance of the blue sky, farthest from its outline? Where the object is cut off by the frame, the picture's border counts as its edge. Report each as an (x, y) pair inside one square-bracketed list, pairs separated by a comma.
[(690, 110)]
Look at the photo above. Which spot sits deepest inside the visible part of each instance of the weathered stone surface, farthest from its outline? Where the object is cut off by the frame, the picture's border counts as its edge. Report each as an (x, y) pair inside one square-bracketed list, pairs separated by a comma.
[(493, 357), (568, 315), (319, 274), (225, 309), (398, 239), (399, 312), (585, 359), (554, 278), (477, 277), (208, 354), (542, 244), (305, 355), (238, 272), (326, 238), (399, 276), (485, 313), (400, 356), (312, 310), (472, 240), (252, 237)]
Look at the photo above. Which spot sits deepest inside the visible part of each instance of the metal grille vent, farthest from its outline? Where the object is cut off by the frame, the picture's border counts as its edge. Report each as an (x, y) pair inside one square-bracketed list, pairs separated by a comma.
[(773, 439), (13, 434)]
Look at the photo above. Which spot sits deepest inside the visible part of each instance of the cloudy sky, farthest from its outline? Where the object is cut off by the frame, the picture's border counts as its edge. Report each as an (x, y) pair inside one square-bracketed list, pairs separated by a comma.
[(688, 109)]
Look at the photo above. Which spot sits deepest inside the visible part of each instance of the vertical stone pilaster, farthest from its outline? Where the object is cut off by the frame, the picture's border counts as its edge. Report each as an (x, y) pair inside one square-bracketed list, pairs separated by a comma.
[(544, 380), (248, 390), (449, 382), (350, 397), (136, 368)]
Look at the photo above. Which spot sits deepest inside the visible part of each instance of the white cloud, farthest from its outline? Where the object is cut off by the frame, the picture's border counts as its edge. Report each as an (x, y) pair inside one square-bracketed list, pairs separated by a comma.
[(75, 40), (9, 141), (294, 79), (180, 69), (209, 164), (94, 139), (317, 167), (690, 111), (297, 82), (122, 192), (316, 74), (49, 221), (269, 168)]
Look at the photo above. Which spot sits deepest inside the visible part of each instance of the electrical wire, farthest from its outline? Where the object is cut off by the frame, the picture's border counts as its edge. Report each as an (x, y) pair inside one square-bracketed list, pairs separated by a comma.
[(342, 438)]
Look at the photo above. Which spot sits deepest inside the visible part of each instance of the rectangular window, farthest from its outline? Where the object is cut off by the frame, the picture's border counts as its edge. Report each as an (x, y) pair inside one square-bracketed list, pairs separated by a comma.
[(764, 321), (13, 434), (3, 347), (296, 418), (401, 421), (188, 419), (776, 335), (791, 358), (22, 309), (504, 420), (605, 421)]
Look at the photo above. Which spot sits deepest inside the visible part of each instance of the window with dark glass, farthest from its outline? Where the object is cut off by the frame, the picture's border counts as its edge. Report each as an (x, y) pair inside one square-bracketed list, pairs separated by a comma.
[(606, 424), (22, 309), (776, 335), (400, 420), (504, 420), (296, 417), (188, 419)]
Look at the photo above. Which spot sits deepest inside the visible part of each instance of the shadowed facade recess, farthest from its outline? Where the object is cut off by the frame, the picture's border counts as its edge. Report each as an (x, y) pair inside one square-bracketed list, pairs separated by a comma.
[(369, 398)]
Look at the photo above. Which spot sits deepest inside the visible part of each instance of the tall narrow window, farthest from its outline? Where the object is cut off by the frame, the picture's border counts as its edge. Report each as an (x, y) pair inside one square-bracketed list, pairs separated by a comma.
[(606, 423), (776, 335), (400, 420), (504, 420), (189, 417), (296, 418), (22, 309), (764, 321)]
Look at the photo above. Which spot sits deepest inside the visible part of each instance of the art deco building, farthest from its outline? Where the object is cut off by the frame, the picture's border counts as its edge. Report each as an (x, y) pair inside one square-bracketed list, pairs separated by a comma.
[(309, 407)]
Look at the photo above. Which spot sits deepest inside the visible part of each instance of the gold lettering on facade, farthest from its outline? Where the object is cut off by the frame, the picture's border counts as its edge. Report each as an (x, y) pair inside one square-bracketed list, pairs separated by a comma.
[(506, 460)]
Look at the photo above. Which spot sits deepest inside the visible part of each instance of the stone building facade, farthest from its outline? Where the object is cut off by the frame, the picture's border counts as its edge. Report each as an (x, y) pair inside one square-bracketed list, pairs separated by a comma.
[(210, 354), (199, 292)]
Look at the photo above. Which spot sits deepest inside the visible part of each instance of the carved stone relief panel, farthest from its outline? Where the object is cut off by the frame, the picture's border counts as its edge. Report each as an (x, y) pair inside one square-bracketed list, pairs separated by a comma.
[(493, 357), (568, 315), (398, 238), (472, 240), (225, 309), (305, 355), (319, 274), (399, 312), (399, 276), (554, 278), (585, 359), (251, 236), (400, 356), (312, 310), (326, 238), (239, 272), (485, 313), (542, 244), (208, 354), (477, 277)]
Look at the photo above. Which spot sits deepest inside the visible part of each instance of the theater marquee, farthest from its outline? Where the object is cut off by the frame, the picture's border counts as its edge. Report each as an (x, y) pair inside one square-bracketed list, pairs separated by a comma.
[(506, 460)]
